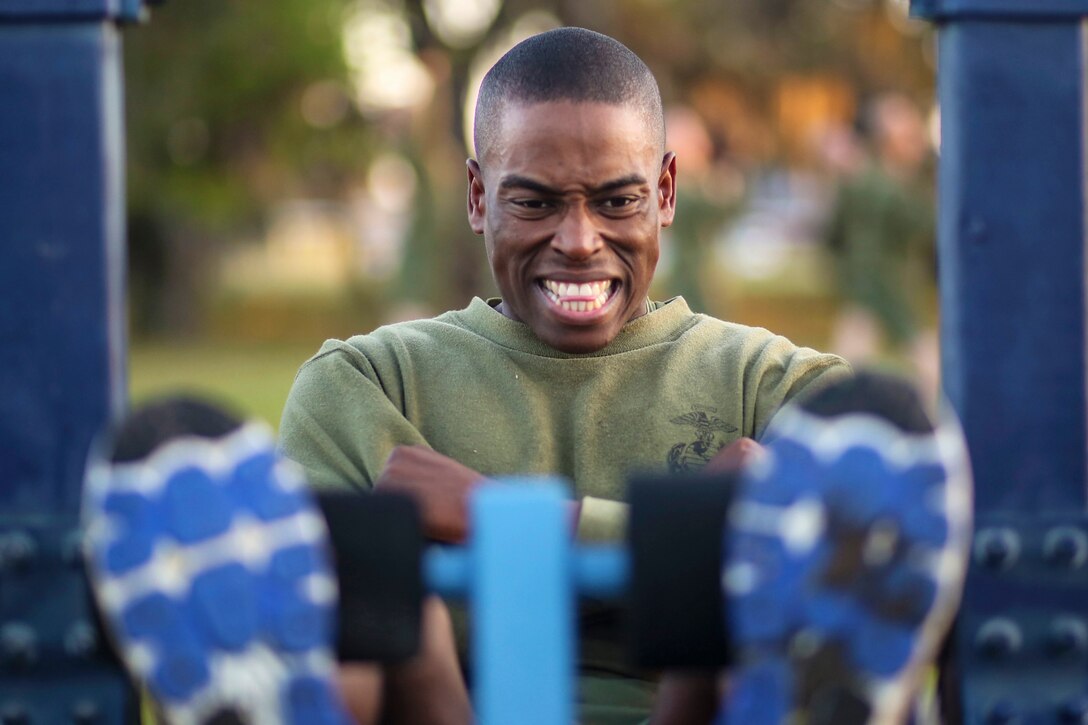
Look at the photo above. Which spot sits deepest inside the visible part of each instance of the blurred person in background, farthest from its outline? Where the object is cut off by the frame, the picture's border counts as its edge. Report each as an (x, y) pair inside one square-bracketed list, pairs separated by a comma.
[(710, 196), (881, 227)]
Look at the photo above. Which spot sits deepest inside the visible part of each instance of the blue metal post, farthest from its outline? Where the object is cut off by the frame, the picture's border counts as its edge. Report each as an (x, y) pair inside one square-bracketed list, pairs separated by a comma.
[(522, 575), (61, 340), (1011, 238), (523, 605)]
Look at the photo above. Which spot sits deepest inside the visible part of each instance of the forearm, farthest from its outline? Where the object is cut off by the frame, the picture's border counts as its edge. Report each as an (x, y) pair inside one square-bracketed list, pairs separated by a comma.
[(429, 689)]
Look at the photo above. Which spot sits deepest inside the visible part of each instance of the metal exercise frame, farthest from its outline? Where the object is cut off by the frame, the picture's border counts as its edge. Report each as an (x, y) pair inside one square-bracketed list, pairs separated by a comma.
[(1011, 232), (61, 341)]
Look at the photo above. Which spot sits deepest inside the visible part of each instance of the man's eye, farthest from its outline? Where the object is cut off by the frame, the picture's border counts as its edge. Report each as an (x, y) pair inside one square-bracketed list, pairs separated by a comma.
[(620, 202), (533, 204)]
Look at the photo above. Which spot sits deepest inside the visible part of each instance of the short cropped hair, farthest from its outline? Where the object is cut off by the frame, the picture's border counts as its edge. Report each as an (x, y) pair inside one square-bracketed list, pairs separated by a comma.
[(567, 64)]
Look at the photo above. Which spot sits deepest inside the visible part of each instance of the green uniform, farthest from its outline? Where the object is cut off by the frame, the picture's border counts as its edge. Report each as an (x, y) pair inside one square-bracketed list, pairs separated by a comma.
[(670, 391), (877, 226)]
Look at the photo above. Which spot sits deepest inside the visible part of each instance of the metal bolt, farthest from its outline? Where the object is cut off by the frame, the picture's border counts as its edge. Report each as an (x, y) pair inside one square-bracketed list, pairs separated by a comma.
[(997, 548), (1074, 711), (18, 644), (998, 638), (978, 231), (17, 550), (86, 712), (1067, 635), (1002, 713), (14, 714), (80, 640), (1065, 546)]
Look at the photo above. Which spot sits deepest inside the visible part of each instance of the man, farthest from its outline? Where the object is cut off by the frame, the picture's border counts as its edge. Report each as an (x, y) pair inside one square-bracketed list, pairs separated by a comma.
[(574, 371), (881, 233)]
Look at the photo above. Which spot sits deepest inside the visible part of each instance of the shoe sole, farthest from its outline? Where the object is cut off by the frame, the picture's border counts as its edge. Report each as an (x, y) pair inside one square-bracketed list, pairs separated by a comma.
[(846, 555), (210, 565)]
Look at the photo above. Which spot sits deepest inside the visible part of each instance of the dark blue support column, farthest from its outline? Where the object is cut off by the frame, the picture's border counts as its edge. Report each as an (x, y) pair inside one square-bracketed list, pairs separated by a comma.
[(61, 341), (1012, 272)]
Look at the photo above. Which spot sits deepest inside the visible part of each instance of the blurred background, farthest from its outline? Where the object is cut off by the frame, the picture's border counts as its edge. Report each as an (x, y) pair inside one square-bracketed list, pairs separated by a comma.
[(296, 172)]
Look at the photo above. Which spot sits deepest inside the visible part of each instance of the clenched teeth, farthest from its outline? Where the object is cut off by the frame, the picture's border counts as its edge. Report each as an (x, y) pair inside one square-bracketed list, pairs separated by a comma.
[(588, 296)]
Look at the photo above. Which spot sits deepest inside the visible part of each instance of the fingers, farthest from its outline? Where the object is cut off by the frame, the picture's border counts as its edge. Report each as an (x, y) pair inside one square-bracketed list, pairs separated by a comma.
[(439, 485), (734, 457), (361, 689)]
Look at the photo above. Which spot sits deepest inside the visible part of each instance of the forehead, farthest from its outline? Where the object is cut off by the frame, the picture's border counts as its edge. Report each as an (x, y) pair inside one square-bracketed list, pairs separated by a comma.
[(562, 140)]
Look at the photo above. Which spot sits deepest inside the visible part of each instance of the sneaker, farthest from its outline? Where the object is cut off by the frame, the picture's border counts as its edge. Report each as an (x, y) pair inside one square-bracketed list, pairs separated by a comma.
[(209, 564), (846, 552)]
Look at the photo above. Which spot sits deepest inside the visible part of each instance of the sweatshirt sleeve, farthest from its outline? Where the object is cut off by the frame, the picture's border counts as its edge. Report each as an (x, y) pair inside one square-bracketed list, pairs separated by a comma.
[(338, 423), (601, 520), (782, 372)]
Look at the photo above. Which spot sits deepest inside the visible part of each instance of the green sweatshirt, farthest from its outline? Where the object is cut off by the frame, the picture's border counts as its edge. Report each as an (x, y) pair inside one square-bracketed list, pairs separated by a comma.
[(671, 390)]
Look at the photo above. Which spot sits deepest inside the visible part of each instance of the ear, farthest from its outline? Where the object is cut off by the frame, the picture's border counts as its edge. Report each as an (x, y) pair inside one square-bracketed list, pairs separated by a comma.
[(666, 189), (477, 198)]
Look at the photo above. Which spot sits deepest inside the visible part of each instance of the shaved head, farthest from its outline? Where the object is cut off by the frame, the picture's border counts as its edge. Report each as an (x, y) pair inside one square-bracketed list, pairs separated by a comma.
[(566, 64)]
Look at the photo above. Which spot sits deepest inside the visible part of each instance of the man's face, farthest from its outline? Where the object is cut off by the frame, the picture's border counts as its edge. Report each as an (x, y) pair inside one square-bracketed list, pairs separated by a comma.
[(571, 198)]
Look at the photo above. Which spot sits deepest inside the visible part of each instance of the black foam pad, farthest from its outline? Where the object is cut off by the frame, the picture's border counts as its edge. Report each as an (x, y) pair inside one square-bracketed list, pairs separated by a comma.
[(675, 540), (378, 543)]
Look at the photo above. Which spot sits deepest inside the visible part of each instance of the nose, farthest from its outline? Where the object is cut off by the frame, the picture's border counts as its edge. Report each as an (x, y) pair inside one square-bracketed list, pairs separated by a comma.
[(576, 236)]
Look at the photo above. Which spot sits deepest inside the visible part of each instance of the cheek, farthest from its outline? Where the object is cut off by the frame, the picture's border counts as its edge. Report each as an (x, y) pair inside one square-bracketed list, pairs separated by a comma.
[(507, 244)]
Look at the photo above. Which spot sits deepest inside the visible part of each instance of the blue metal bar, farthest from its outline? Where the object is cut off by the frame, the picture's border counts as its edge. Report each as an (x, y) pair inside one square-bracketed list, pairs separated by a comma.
[(1011, 237), (944, 9), (446, 571), (62, 231), (601, 571), (61, 332), (69, 10), (1012, 265), (598, 571), (523, 605)]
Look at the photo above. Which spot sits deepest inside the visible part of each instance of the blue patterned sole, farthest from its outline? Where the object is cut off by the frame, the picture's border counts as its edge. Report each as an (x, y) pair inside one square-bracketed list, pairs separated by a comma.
[(846, 551), (209, 562)]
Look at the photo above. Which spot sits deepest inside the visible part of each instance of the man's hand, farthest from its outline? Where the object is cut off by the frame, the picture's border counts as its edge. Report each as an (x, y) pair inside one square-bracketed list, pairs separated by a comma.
[(734, 456), (686, 698), (439, 485)]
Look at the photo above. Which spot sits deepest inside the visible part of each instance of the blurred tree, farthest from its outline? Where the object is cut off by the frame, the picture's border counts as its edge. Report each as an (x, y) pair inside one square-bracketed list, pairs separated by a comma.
[(230, 107), (234, 106)]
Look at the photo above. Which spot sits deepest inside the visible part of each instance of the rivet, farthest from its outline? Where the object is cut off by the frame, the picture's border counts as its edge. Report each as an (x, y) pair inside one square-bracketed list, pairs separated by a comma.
[(1002, 713), (1067, 635), (80, 640), (17, 550), (18, 644), (997, 548), (977, 230), (1074, 711), (86, 712), (998, 638), (1065, 546), (14, 714)]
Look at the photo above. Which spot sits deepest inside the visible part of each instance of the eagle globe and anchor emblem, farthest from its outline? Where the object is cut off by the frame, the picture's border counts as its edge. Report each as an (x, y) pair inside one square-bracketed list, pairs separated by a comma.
[(692, 456)]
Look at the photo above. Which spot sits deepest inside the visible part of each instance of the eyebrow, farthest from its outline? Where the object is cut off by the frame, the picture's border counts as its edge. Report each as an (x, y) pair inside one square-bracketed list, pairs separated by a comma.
[(522, 182)]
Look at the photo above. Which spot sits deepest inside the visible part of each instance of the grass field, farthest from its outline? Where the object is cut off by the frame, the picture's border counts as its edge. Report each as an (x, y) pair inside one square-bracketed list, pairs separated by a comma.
[(252, 378)]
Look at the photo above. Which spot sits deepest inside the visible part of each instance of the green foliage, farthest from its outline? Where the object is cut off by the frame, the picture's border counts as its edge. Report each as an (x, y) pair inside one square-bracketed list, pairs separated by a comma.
[(215, 127)]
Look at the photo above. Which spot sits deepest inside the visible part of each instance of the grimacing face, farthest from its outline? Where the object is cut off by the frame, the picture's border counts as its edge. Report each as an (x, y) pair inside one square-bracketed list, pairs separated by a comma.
[(571, 198)]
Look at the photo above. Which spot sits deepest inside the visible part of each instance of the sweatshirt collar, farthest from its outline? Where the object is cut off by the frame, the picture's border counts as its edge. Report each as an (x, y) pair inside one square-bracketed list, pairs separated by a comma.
[(663, 322)]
